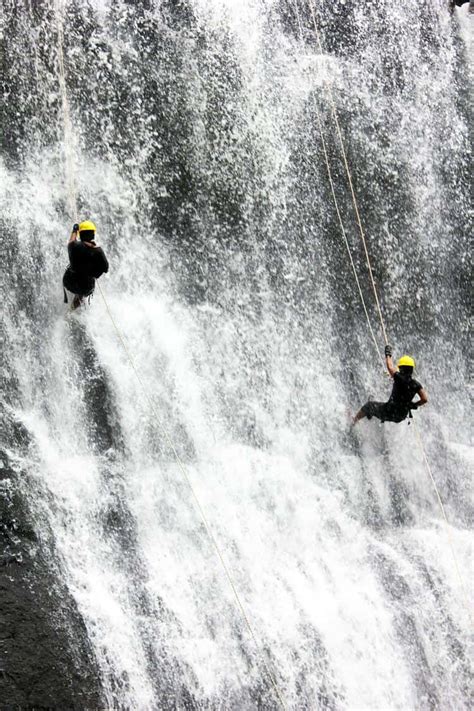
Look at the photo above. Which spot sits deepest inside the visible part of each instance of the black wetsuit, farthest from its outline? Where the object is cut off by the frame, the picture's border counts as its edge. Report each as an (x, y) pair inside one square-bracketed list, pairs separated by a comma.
[(86, 264), (397, 408)]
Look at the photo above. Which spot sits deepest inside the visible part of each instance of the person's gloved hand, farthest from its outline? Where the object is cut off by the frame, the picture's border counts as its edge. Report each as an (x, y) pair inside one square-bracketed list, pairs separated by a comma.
[(75, 227), (388, 351), (413, 406)]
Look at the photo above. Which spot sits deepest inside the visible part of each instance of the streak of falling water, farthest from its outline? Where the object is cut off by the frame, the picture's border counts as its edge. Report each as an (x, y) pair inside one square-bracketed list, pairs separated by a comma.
[(197, 154)]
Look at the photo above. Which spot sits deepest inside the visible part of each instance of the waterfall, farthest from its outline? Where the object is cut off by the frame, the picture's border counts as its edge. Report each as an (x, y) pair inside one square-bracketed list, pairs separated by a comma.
[(189, 522)]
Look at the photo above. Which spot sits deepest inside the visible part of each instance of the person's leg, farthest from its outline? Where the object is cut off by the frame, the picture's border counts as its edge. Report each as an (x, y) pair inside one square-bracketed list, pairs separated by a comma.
[(79, 286), (369, 410), (358, 416)]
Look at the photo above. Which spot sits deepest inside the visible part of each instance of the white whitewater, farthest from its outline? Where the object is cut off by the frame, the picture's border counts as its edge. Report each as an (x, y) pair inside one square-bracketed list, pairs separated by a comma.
[(336, 546)]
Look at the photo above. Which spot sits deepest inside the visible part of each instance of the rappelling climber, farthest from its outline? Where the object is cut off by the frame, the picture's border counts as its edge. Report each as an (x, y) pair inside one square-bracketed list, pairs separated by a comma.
[(87, 262), (405, 387)]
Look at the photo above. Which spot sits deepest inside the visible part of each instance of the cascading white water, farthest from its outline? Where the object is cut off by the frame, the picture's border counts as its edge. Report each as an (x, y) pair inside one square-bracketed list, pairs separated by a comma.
[(231, 288)]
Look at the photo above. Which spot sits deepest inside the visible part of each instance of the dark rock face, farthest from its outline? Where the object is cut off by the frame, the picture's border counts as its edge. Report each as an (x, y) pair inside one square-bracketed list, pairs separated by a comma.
[(149, 77), (45, 657)]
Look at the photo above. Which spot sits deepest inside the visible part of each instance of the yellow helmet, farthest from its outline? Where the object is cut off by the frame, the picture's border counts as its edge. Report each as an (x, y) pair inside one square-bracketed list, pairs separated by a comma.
[(87, 226), (406, 360)]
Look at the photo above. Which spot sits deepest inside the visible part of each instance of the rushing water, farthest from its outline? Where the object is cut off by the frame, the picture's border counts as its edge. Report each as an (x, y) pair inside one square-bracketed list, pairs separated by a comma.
[(196, 150)]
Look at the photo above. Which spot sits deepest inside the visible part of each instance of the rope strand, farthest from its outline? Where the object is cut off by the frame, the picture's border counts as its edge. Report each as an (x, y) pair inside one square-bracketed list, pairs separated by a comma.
[(181, 466), (72, 193), (382, 323), (349, 177), (446, 522), (338, 212), (68, 133)]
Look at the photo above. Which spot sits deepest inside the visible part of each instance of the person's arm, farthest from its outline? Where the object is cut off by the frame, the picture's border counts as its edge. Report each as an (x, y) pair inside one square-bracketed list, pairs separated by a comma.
[(422, 401), (105, 264), (74, 233), (423, 397), (388, 360)]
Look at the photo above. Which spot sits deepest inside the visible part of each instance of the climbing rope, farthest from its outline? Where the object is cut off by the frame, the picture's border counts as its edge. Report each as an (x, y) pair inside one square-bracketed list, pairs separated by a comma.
[(349, 176), (447, 526), (181, 466), (71, 189), (311, 5), (336, 205), (68, 132)]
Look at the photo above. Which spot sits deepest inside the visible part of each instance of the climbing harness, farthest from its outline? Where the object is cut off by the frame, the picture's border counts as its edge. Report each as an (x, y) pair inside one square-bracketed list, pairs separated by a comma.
[(69, 164), (311, 5)]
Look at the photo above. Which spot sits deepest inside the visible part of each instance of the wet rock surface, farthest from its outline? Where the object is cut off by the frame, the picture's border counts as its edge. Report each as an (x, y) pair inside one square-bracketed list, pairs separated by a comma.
[(45, 657)]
